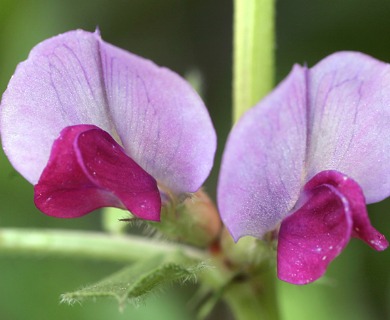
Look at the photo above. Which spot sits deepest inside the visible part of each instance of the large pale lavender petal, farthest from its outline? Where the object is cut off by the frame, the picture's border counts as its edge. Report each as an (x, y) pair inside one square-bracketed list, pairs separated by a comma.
[(76, 78), (333, 210), (60, 84), (349, 101), (161, 121), (88, 170), (263, 162)]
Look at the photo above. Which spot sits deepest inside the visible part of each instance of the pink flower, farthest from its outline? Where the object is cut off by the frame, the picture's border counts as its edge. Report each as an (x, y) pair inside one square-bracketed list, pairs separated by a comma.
[(91, 125), (308, 158)]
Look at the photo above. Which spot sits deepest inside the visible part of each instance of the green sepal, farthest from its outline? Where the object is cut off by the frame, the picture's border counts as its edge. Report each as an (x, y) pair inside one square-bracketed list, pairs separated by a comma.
[(135, 282), (193, 220)]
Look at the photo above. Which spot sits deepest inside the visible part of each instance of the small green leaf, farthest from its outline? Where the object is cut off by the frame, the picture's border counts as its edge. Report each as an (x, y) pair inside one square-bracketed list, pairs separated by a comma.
[(133, 283)]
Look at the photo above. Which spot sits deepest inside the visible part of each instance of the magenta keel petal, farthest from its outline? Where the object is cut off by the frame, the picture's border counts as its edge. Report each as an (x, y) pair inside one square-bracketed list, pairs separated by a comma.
[(334, 210), (362, 227), (87, 170), (313, 236)]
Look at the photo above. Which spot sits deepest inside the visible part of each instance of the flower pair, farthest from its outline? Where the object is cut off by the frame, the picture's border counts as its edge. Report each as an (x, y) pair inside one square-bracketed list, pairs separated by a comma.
[(91, 125)]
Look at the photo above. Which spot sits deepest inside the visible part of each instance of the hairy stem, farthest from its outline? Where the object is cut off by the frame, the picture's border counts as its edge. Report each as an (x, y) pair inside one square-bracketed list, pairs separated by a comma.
[(87, 245)]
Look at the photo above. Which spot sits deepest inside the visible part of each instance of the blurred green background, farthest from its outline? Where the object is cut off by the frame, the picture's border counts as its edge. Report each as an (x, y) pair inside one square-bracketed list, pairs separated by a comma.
[(187, 35)]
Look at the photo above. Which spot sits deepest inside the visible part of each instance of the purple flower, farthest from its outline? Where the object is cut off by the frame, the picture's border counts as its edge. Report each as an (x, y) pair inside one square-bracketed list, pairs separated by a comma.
[(91, 125), (308, 158)]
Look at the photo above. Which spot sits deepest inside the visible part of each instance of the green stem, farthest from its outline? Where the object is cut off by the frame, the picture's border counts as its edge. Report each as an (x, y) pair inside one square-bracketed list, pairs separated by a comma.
[(253, 70), (254, 299), (253, 78), (87, 245), (111, 220)]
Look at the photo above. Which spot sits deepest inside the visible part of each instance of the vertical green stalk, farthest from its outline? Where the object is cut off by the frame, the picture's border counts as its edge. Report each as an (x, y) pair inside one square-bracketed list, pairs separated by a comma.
[(253, 78), (254, 299), (253, 66)]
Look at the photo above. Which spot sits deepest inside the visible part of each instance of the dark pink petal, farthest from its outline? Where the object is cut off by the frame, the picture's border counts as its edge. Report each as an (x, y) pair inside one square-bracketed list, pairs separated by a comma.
[(262, 166), (313, 236), (362, 227), (333, 210), (88, 170), (349, 118), (76, 78)]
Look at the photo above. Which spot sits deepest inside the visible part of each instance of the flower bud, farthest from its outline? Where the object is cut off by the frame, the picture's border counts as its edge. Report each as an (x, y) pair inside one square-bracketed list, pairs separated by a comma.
[(194, 221)]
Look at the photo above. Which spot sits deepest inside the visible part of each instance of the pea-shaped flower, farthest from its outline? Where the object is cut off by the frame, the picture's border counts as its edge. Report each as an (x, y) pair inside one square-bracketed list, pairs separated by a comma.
[(307, 159), (91, 125)]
